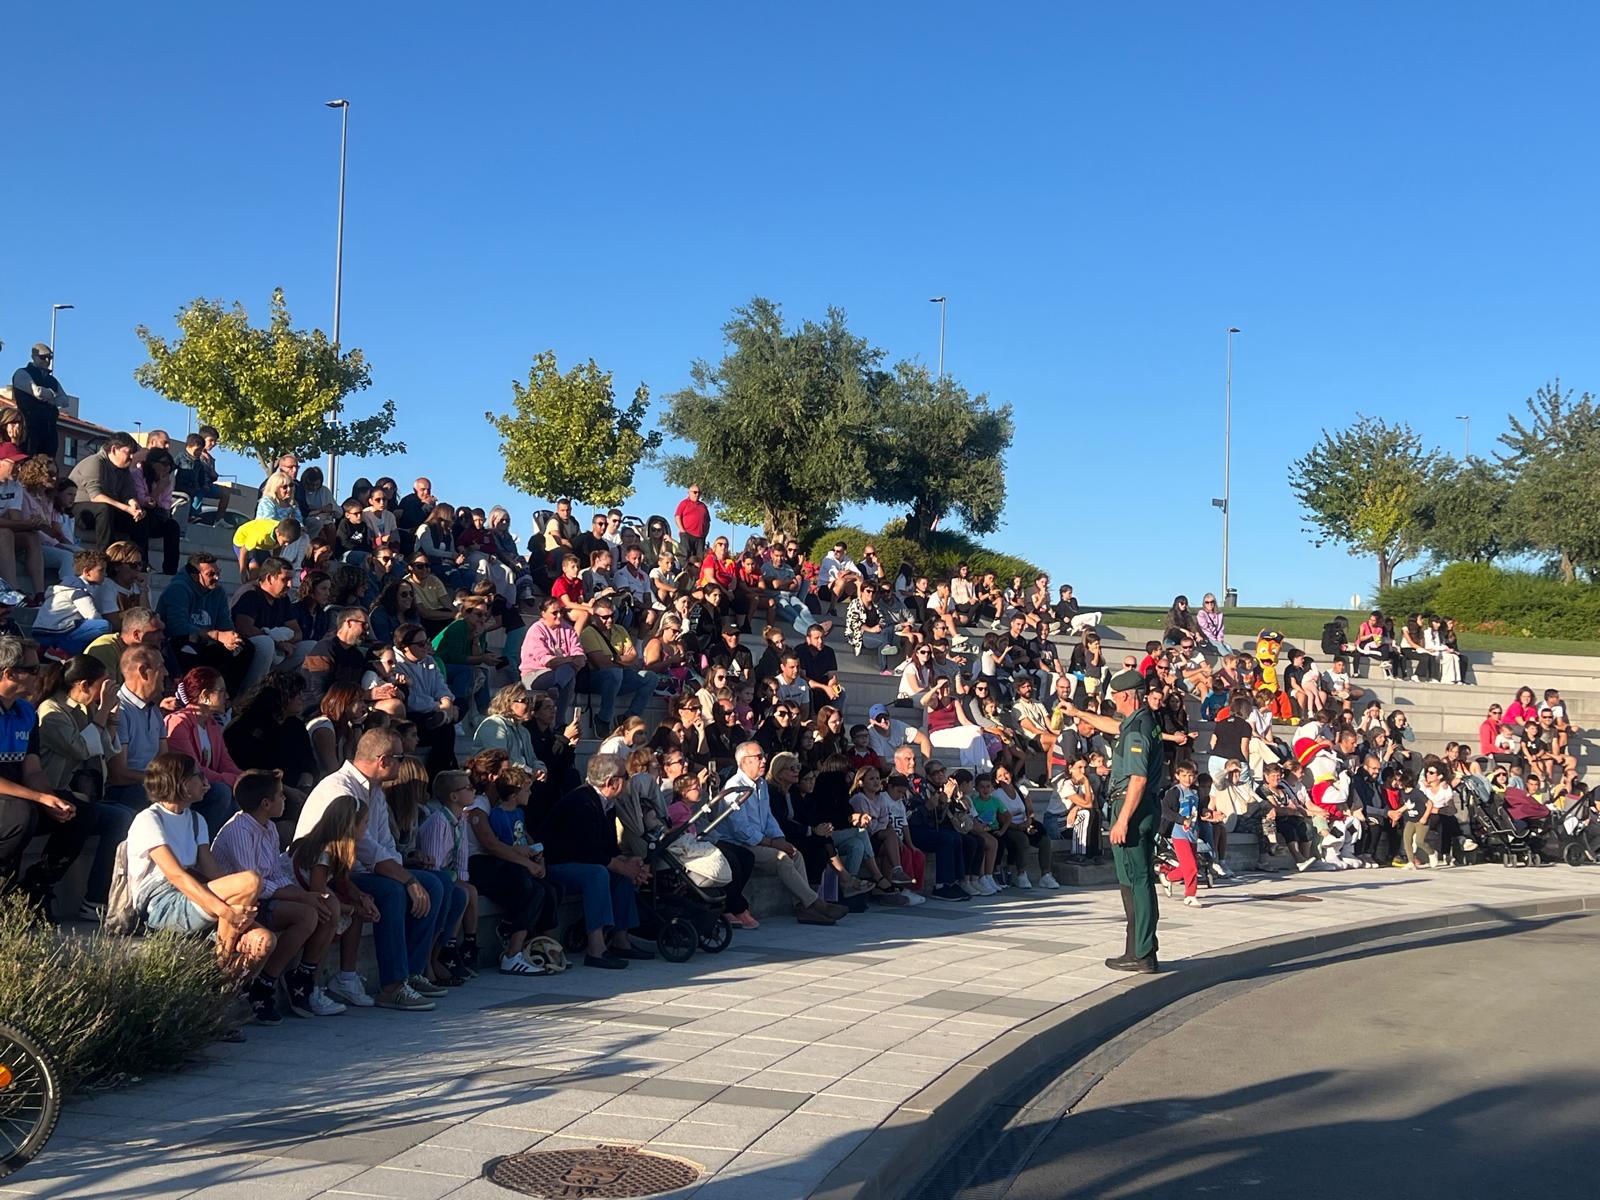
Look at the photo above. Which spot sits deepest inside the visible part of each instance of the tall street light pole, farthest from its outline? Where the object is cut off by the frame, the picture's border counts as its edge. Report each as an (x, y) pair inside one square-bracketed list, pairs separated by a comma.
[(1227, 462), (1466, 437), (54, 309), (939, 300), (338, 265)]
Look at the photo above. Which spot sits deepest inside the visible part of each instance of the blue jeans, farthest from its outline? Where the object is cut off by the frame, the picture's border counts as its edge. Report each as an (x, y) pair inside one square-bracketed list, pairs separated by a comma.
[(455, 904), (617, 681), (945, 846), (465, 681), (73, 641), (795, 612), (404, 943), (608, 899), (561, 682)]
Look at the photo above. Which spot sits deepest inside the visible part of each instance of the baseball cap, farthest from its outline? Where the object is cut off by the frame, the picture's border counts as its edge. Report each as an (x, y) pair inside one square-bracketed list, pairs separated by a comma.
[(10, 453), (876, 711)]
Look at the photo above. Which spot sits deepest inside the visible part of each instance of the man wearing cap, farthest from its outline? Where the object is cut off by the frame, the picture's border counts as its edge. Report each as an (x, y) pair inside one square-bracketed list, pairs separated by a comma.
[(885, 734), (39, 396), (1137, 769)]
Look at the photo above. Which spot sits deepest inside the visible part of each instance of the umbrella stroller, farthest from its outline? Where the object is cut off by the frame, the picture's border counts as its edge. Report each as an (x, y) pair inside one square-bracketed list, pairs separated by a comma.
[(683, 901)]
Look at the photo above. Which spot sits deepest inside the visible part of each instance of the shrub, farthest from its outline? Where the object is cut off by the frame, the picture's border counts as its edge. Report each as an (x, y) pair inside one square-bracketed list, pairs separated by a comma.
[(108, 1006), (1487, 599), (937, 560)]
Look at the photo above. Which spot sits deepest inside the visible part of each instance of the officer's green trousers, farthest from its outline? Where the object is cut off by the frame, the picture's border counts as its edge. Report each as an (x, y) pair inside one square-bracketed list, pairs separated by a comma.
[(1136, 873)]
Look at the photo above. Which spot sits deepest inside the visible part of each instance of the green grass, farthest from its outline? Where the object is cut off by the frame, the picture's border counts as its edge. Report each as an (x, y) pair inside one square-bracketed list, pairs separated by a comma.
[(1304, 625)]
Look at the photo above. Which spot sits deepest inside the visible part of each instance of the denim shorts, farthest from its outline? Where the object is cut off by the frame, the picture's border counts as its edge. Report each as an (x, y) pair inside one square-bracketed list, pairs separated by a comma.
[(168, 908)]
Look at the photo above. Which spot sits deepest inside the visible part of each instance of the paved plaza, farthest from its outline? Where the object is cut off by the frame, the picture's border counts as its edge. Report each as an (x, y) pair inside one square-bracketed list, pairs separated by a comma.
[(770, 1065)]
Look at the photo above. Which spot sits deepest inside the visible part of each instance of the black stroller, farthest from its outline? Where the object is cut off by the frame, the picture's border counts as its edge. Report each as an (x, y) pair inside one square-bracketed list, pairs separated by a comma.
[(683, 903), (1505, 838), (1571, 828)]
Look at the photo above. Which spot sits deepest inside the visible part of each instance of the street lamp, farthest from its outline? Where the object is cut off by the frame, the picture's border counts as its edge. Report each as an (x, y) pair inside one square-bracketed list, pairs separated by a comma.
[(1227, 462), (338, 266), (1466, 437), (939, 300), (54, 309)]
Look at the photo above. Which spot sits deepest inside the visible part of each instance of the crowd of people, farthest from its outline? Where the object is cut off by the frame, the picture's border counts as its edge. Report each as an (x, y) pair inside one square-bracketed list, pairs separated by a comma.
[(379, 726)]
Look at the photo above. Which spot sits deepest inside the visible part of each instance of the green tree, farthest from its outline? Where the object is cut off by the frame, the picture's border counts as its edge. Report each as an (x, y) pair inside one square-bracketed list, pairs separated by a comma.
[(1468, 514), (780, 431), (567, 437), (1366, 488), (940, 451), (269, 392), (1554, 497)]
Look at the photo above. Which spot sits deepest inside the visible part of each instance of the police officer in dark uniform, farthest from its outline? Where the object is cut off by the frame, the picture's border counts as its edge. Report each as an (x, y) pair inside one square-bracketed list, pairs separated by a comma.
[(1137, 777)]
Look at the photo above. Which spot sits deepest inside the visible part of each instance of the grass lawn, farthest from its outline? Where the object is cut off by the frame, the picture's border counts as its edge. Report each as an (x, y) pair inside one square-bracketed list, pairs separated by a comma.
[(1304, 626)]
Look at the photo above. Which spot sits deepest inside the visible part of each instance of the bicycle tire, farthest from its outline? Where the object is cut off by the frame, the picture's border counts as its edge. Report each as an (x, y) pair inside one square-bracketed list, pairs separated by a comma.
[(30, 1098)]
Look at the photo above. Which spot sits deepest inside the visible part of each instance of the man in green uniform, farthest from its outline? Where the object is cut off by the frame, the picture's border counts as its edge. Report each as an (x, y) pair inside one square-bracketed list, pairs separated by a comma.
[(1137, 769)]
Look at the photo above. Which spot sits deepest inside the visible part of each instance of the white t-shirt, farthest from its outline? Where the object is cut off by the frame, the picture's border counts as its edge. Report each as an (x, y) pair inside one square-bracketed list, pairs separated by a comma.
[(182, 833), (10, 495), (111, 597), (473, 845), (885, 744), (1013, 804)]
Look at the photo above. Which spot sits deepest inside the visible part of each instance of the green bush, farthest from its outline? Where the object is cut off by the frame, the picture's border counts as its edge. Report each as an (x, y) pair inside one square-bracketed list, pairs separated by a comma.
[(107, 1006), (938, 560), (1485, 598)]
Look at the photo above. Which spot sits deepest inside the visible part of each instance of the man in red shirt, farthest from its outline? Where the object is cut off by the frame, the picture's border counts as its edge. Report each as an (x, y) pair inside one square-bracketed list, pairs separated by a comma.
[(693, 519)]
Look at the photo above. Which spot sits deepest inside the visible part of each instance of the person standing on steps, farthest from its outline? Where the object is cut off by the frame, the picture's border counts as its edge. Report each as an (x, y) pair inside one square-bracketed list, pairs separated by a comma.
[(693, 520), (1137, 776)]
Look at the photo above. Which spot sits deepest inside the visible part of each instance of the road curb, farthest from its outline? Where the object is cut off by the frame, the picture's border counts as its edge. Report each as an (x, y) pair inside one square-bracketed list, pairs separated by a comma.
[(890, 1163)]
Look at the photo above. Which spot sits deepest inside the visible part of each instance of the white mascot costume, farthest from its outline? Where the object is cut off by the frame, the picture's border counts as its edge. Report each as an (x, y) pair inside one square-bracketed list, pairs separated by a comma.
[(1329, 787)]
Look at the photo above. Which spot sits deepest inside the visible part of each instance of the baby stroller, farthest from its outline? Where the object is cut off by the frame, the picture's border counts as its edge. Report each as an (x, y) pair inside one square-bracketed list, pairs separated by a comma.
[(683, 902), (1508, 829), (1571, 828)]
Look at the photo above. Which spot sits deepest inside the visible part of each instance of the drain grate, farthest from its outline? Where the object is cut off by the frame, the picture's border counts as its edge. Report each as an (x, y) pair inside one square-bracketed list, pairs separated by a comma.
[(604, 1171)]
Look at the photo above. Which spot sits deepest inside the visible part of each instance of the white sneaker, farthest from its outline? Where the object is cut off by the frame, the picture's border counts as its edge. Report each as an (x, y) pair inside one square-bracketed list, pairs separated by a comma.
[(515, 964), (1222, 871), (347, 986), (989, 886), (1434, 860), (1468, 845), (1305, 864), (324, 1006), (1048, 882), (1167, 883), (1023, 882), (1192, 902), (914, 897), (970, 888)]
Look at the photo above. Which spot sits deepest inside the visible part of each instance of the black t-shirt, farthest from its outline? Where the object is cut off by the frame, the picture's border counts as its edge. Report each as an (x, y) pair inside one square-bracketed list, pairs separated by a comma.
[(816, 665), (1292, 677), (1228, 739), (261, 608), (586, 544), (353, 537)]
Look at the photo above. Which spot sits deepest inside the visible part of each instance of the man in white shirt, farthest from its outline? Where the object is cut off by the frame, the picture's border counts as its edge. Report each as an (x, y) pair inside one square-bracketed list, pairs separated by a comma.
[(838, 577), (408, 903), (885, 735)]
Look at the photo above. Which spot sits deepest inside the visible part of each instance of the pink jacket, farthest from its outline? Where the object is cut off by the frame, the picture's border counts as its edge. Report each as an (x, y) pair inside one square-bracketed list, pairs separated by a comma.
[(183, 736)]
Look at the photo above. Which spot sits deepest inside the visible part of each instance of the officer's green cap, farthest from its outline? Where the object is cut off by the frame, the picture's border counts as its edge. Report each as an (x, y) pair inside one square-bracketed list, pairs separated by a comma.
[(1126, 681)]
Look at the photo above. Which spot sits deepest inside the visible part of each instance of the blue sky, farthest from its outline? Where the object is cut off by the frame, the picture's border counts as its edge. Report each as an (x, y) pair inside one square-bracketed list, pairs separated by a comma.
[(1395, 203)]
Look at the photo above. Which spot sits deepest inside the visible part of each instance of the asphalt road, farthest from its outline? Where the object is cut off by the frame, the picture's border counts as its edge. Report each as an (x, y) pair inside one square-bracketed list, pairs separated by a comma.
[(1456, 1071)]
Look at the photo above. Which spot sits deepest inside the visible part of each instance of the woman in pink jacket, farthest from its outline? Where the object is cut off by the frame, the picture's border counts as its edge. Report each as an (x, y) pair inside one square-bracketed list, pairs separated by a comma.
[(196, 730)]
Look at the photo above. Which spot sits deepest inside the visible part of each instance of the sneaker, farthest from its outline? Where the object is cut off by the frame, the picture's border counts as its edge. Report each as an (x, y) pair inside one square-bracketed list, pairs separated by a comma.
[(406, 998), (263, 997), (1399, 862), (1305, 864), (1192, 902), (322, 1005), (900, 876), (348, 988), (1048, 882), (1468, 845), (424, 986), (1022, 881), (1222, 871), (515, 964), (744, 920), (1434, 860), (1167, 884), (950, 891), (989, 886), (914, 897), (300, 985), (92, 912), (971, 888)]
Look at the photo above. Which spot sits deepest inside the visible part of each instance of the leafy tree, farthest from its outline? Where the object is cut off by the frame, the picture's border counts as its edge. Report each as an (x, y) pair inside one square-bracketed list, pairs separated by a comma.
[(940, 450), (567, 437), (1468, 515), (1554, 498), (782, 428), (269, 392), (1367, 488)]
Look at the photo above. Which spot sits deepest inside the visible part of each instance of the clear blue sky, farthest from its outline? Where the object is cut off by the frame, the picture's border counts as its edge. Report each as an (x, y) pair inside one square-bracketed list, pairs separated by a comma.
[(1394, 202)]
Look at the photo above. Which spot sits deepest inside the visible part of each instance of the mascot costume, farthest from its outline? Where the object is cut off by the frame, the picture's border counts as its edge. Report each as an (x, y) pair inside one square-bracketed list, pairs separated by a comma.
[(1329, 788)]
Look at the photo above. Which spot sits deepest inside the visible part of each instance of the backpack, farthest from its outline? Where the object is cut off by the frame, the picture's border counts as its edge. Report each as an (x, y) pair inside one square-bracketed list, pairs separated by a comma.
[(123, 918)]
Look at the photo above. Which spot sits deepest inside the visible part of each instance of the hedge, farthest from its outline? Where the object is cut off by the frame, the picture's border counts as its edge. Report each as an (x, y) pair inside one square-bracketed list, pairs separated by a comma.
[(1486, 599), (938, 560), (108, 1007)]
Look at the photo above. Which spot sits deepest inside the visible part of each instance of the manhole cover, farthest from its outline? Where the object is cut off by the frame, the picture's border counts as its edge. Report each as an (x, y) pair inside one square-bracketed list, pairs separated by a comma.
[(603, 1171)]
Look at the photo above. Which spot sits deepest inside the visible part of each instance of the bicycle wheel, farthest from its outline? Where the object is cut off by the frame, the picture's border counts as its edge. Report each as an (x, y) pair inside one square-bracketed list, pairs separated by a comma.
[(30, 1098)]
